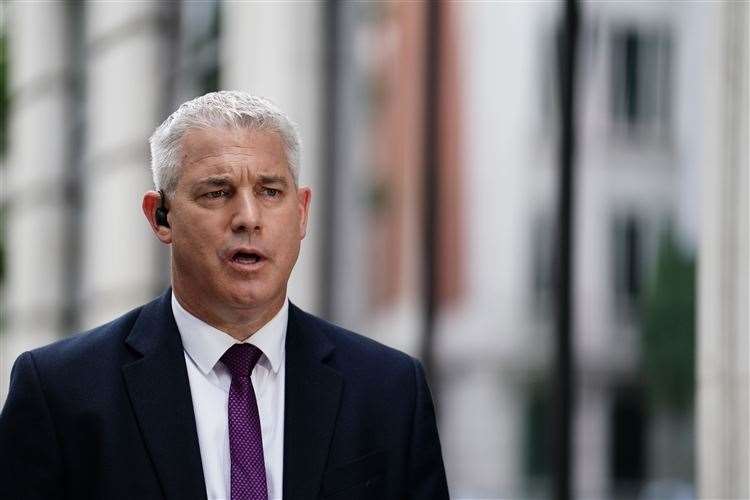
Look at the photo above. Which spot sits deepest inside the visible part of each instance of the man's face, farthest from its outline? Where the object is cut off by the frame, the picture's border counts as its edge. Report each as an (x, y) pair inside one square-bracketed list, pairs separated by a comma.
[(237, 221)]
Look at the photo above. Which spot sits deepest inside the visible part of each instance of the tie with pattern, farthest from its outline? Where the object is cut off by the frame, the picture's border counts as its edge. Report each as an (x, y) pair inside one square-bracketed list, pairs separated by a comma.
[(245, 439)]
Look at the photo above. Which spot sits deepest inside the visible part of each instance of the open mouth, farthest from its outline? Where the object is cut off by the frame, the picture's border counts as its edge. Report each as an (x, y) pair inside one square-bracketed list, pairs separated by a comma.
[(246, 257)]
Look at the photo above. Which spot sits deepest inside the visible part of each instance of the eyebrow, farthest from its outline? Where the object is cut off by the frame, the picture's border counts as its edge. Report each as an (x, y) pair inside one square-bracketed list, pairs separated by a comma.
[(273, 179), (224, 180), (215, 180)]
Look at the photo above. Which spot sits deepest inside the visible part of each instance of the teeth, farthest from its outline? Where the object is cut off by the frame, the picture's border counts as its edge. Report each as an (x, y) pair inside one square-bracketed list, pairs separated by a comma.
[(246, 258)]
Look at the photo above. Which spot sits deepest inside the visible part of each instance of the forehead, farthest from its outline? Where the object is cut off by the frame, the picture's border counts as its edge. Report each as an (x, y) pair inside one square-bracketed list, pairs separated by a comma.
[(206, 150)]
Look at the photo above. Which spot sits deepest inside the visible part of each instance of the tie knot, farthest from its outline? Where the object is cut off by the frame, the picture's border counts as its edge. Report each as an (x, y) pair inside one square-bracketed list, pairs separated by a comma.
[(240, 359)]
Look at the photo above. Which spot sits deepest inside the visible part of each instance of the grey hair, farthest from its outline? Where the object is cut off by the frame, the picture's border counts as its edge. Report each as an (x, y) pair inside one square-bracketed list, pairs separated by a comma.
[(231, 109)]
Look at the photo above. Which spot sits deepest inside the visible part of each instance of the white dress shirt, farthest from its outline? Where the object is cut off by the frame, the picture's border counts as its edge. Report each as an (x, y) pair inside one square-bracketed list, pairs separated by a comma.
[(209, 386)]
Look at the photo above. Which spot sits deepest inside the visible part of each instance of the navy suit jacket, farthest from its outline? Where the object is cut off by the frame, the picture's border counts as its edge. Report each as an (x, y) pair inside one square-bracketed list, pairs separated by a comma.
[(109, 415)]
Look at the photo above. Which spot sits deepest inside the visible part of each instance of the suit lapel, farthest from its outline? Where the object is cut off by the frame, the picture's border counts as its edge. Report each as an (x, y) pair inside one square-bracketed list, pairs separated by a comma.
[(160, 394), (312, 397)]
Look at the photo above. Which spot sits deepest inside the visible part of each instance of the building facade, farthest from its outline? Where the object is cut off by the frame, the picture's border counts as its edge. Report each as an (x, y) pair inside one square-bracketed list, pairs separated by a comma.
[(662, 122)]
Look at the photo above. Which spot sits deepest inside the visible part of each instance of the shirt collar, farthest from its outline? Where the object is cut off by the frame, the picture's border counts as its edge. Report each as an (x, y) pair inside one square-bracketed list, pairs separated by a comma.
[(205, 344)]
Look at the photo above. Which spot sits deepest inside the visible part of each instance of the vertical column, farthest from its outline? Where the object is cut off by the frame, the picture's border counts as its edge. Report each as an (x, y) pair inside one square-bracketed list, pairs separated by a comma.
[(723, 339), (275, 50), (35, 198), (124, 84)]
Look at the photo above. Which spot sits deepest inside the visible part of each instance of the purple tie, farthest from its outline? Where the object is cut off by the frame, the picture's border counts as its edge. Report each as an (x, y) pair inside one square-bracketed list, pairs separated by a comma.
[(245, 439)]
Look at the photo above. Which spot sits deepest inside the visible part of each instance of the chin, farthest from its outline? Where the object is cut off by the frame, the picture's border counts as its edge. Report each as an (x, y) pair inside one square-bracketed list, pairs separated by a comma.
[(250, 297)]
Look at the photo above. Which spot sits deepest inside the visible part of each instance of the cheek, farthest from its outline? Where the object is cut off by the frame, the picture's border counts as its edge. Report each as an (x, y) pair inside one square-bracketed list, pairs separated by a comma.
[(291, 248), (191, 242), (198, 229)]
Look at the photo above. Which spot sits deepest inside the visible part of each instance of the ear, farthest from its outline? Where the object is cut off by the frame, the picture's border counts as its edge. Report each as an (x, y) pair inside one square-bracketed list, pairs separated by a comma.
[(304, 195), (151, 201)]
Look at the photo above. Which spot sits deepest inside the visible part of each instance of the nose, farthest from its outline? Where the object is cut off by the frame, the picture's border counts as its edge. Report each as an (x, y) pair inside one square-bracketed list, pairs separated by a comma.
[(247, 213)]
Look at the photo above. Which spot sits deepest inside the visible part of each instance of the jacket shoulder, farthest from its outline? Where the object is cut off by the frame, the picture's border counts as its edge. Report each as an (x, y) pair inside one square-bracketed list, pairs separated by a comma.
[(99, 340), (357, 352)]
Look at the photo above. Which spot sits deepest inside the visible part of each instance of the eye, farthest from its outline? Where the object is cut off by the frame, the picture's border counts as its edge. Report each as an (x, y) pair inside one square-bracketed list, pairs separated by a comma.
[(216, 194), (270, 192)]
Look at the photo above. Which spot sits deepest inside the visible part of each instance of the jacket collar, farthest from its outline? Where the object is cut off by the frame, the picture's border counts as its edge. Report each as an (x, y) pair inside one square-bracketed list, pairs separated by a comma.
[(312, 398), (159, 391)]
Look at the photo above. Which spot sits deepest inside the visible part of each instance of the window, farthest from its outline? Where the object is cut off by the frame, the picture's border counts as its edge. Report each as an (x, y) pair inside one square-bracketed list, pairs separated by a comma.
[(640, 86), (537, 436), (627, 263), (628, 432), (199, 48)]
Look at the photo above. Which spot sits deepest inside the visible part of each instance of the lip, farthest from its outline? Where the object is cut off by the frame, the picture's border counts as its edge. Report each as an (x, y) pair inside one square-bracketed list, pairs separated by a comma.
[(245, 266)]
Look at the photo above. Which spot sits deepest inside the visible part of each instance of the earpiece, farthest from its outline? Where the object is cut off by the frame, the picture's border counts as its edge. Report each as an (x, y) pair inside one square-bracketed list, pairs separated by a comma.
[(161, 212)]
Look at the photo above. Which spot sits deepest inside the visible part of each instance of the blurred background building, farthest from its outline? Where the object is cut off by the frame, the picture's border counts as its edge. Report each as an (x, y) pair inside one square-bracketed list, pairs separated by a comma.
[(431, 141)]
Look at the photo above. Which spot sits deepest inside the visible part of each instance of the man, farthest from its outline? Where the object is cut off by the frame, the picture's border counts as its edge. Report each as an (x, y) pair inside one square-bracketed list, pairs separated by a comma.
[(221, 388)]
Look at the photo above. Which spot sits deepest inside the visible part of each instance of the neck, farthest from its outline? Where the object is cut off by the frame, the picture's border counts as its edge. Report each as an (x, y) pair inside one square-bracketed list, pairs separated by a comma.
[(239, 323)]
